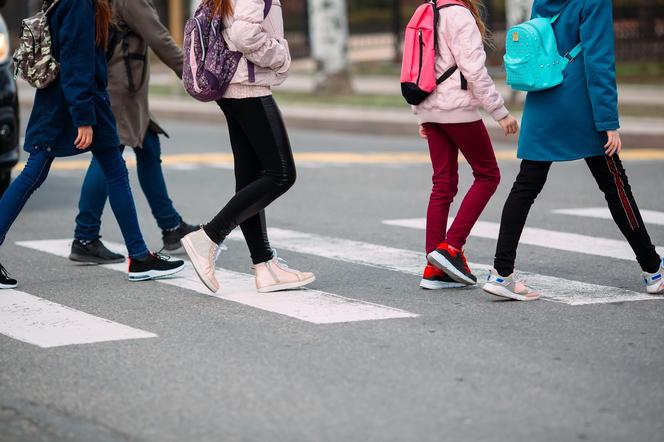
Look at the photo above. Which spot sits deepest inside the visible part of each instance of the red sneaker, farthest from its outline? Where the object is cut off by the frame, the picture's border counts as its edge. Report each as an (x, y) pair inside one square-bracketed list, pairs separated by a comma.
[(453, 262), (436, 279)]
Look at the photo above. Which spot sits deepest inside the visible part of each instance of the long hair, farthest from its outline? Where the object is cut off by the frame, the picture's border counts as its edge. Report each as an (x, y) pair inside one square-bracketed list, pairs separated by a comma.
[(104, 18), (224, 8), (478, 10)]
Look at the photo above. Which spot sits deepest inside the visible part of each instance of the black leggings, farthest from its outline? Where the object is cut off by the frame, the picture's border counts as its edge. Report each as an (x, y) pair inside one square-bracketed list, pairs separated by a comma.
[(611, 179), (264, 170)]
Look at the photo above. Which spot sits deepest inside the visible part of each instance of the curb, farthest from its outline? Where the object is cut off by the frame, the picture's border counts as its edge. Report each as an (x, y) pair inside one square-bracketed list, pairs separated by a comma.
[(364, 121)]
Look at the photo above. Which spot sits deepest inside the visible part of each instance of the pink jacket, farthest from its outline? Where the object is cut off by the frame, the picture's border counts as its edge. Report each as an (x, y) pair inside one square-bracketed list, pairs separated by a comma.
[(460, 43)]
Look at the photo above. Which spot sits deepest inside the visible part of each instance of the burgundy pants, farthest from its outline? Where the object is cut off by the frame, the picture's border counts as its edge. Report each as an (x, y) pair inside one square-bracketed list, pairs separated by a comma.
[(445, 142)]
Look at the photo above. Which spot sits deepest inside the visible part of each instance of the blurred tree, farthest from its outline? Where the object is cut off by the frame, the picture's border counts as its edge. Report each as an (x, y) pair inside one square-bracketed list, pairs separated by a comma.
[(328, 28)]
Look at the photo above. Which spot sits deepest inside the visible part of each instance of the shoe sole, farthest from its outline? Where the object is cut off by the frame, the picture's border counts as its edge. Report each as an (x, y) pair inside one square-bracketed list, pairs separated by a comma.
[(8, 286), (440, 285), (438, 260), (82, 259), (152, 275), (189, 250), (659, 292), (289, 286), (502, 292)]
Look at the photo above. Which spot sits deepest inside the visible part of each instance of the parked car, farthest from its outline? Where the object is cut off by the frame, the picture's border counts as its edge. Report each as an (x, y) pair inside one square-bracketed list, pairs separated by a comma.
[(9, 110)]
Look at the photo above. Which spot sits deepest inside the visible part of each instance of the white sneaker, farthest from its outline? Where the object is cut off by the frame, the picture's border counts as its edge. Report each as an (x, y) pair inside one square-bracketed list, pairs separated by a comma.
[(203, 253), (509, 287), (275, 275), (655, 281)]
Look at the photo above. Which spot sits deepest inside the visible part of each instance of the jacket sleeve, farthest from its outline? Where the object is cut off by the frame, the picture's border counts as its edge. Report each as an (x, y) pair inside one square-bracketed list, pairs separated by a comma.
[(461, 33), (142, 18), (597, 37), (77, 60), (249, 37)]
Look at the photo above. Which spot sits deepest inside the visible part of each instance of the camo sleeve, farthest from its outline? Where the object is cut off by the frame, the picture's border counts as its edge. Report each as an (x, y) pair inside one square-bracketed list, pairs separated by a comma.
[(76, 39)]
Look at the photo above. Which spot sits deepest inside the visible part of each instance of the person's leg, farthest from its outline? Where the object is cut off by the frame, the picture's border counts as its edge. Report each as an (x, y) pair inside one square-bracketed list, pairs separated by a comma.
[(151, 178), (528, 185), (30, 179), (122, 202), (91, 203), (262, 124), (612, 181), (474, 143), (444, 159), (248, 169)]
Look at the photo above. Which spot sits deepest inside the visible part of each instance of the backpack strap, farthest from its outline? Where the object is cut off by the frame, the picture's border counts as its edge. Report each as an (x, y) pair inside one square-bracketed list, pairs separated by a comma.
[(557, 16), (250, 66), (448, 73), (574, 52), (50, 8)]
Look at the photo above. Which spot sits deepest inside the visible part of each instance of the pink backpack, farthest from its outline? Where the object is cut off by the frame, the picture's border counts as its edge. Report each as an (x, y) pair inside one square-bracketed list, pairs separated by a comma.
[(418, 70)]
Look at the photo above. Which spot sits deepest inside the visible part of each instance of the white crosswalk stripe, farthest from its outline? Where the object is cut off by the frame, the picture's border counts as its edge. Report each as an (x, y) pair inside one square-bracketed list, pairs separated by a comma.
[(407, 261), (307, 305), (649, 216), (47, 324), (569, 242)]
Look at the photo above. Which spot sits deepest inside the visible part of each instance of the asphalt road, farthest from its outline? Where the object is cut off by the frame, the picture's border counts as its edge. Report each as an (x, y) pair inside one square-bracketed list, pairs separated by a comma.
[(467, 368)]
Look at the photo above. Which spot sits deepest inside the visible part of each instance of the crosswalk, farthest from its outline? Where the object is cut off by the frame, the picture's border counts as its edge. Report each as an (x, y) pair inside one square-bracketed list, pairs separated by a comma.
[(44, 323)]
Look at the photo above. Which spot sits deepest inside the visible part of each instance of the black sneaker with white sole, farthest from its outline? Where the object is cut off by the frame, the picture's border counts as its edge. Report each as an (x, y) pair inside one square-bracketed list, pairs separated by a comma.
[(5, 281), (172, 238), (94, 252), (153, 266), (453, 262)]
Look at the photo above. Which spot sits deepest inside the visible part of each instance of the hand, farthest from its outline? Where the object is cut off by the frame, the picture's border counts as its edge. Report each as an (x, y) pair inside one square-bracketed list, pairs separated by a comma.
[(510, 125), (423, 132), (614, 145), (84, 139)]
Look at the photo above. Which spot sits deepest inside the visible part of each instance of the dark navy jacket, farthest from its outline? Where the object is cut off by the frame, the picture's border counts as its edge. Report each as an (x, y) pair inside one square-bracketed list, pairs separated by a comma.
[(570, 121), (78, 98)]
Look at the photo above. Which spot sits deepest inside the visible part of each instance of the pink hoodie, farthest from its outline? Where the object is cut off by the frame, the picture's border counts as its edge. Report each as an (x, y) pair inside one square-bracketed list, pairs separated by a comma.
[(460, 43)]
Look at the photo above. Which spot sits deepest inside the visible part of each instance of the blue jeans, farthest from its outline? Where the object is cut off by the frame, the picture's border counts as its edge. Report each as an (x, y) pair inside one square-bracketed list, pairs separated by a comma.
[(114, 169), (150, 175)]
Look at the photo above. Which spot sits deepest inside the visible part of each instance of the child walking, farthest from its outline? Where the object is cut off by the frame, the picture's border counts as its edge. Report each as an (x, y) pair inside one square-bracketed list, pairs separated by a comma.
[(575, 120), (451, 122), (73, 115), (264, 164)]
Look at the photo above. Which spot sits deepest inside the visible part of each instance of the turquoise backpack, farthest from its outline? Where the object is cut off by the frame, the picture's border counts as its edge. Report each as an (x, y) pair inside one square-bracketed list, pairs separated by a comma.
[(532, 60)]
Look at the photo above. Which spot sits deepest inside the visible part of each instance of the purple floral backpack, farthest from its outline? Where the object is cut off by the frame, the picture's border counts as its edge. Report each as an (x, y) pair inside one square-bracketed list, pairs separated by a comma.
[(209, 65)]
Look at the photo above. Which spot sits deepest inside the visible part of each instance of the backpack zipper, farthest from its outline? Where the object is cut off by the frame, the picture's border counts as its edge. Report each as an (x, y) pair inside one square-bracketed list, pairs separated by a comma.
[(419, 73)]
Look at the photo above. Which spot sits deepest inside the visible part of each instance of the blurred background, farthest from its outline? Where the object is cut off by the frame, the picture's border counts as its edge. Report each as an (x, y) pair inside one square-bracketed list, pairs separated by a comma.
[(347, 53)]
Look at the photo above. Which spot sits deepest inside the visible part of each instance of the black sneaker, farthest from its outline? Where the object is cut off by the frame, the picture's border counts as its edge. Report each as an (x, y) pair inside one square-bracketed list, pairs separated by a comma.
[(93, 253), (5, 281), (453, 262), (153, 266), (172, 238)]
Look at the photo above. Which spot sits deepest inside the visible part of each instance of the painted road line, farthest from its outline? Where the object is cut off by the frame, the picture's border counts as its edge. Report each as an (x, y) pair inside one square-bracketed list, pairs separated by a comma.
[(206, 159), (307, 305), (47, 324), (569, 242), (406, 261), (649, 216)]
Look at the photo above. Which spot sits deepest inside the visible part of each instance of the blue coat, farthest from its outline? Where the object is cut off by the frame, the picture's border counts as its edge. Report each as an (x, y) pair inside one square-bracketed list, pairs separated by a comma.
[(78, 97), (570, 121)]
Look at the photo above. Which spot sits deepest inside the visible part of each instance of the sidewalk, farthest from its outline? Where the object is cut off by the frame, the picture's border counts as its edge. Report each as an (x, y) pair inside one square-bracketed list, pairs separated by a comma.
[(636, 132)]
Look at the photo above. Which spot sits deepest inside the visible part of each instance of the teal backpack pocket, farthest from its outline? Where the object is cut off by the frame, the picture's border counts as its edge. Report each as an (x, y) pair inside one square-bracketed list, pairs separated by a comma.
[(532, 60)]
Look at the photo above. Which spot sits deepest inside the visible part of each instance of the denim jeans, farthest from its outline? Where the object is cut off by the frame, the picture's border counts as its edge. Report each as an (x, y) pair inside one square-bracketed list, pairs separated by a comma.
[(114, 169), (150, 175)]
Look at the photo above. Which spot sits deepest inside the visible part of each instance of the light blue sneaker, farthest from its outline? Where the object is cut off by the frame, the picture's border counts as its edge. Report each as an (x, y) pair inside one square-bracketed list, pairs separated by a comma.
[(655, 281)]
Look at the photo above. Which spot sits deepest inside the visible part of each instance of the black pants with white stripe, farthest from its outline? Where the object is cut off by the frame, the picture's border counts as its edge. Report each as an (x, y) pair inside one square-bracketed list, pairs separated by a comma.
[(611, 179)]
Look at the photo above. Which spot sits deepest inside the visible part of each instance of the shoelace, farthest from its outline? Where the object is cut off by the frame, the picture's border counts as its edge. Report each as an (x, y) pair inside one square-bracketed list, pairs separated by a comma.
[(4, 271), (161, 256)]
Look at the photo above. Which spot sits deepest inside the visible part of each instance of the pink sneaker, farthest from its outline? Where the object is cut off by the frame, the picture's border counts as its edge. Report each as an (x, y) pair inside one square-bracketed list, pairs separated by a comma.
[(203, 254), (509, 287), (275, 275)]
